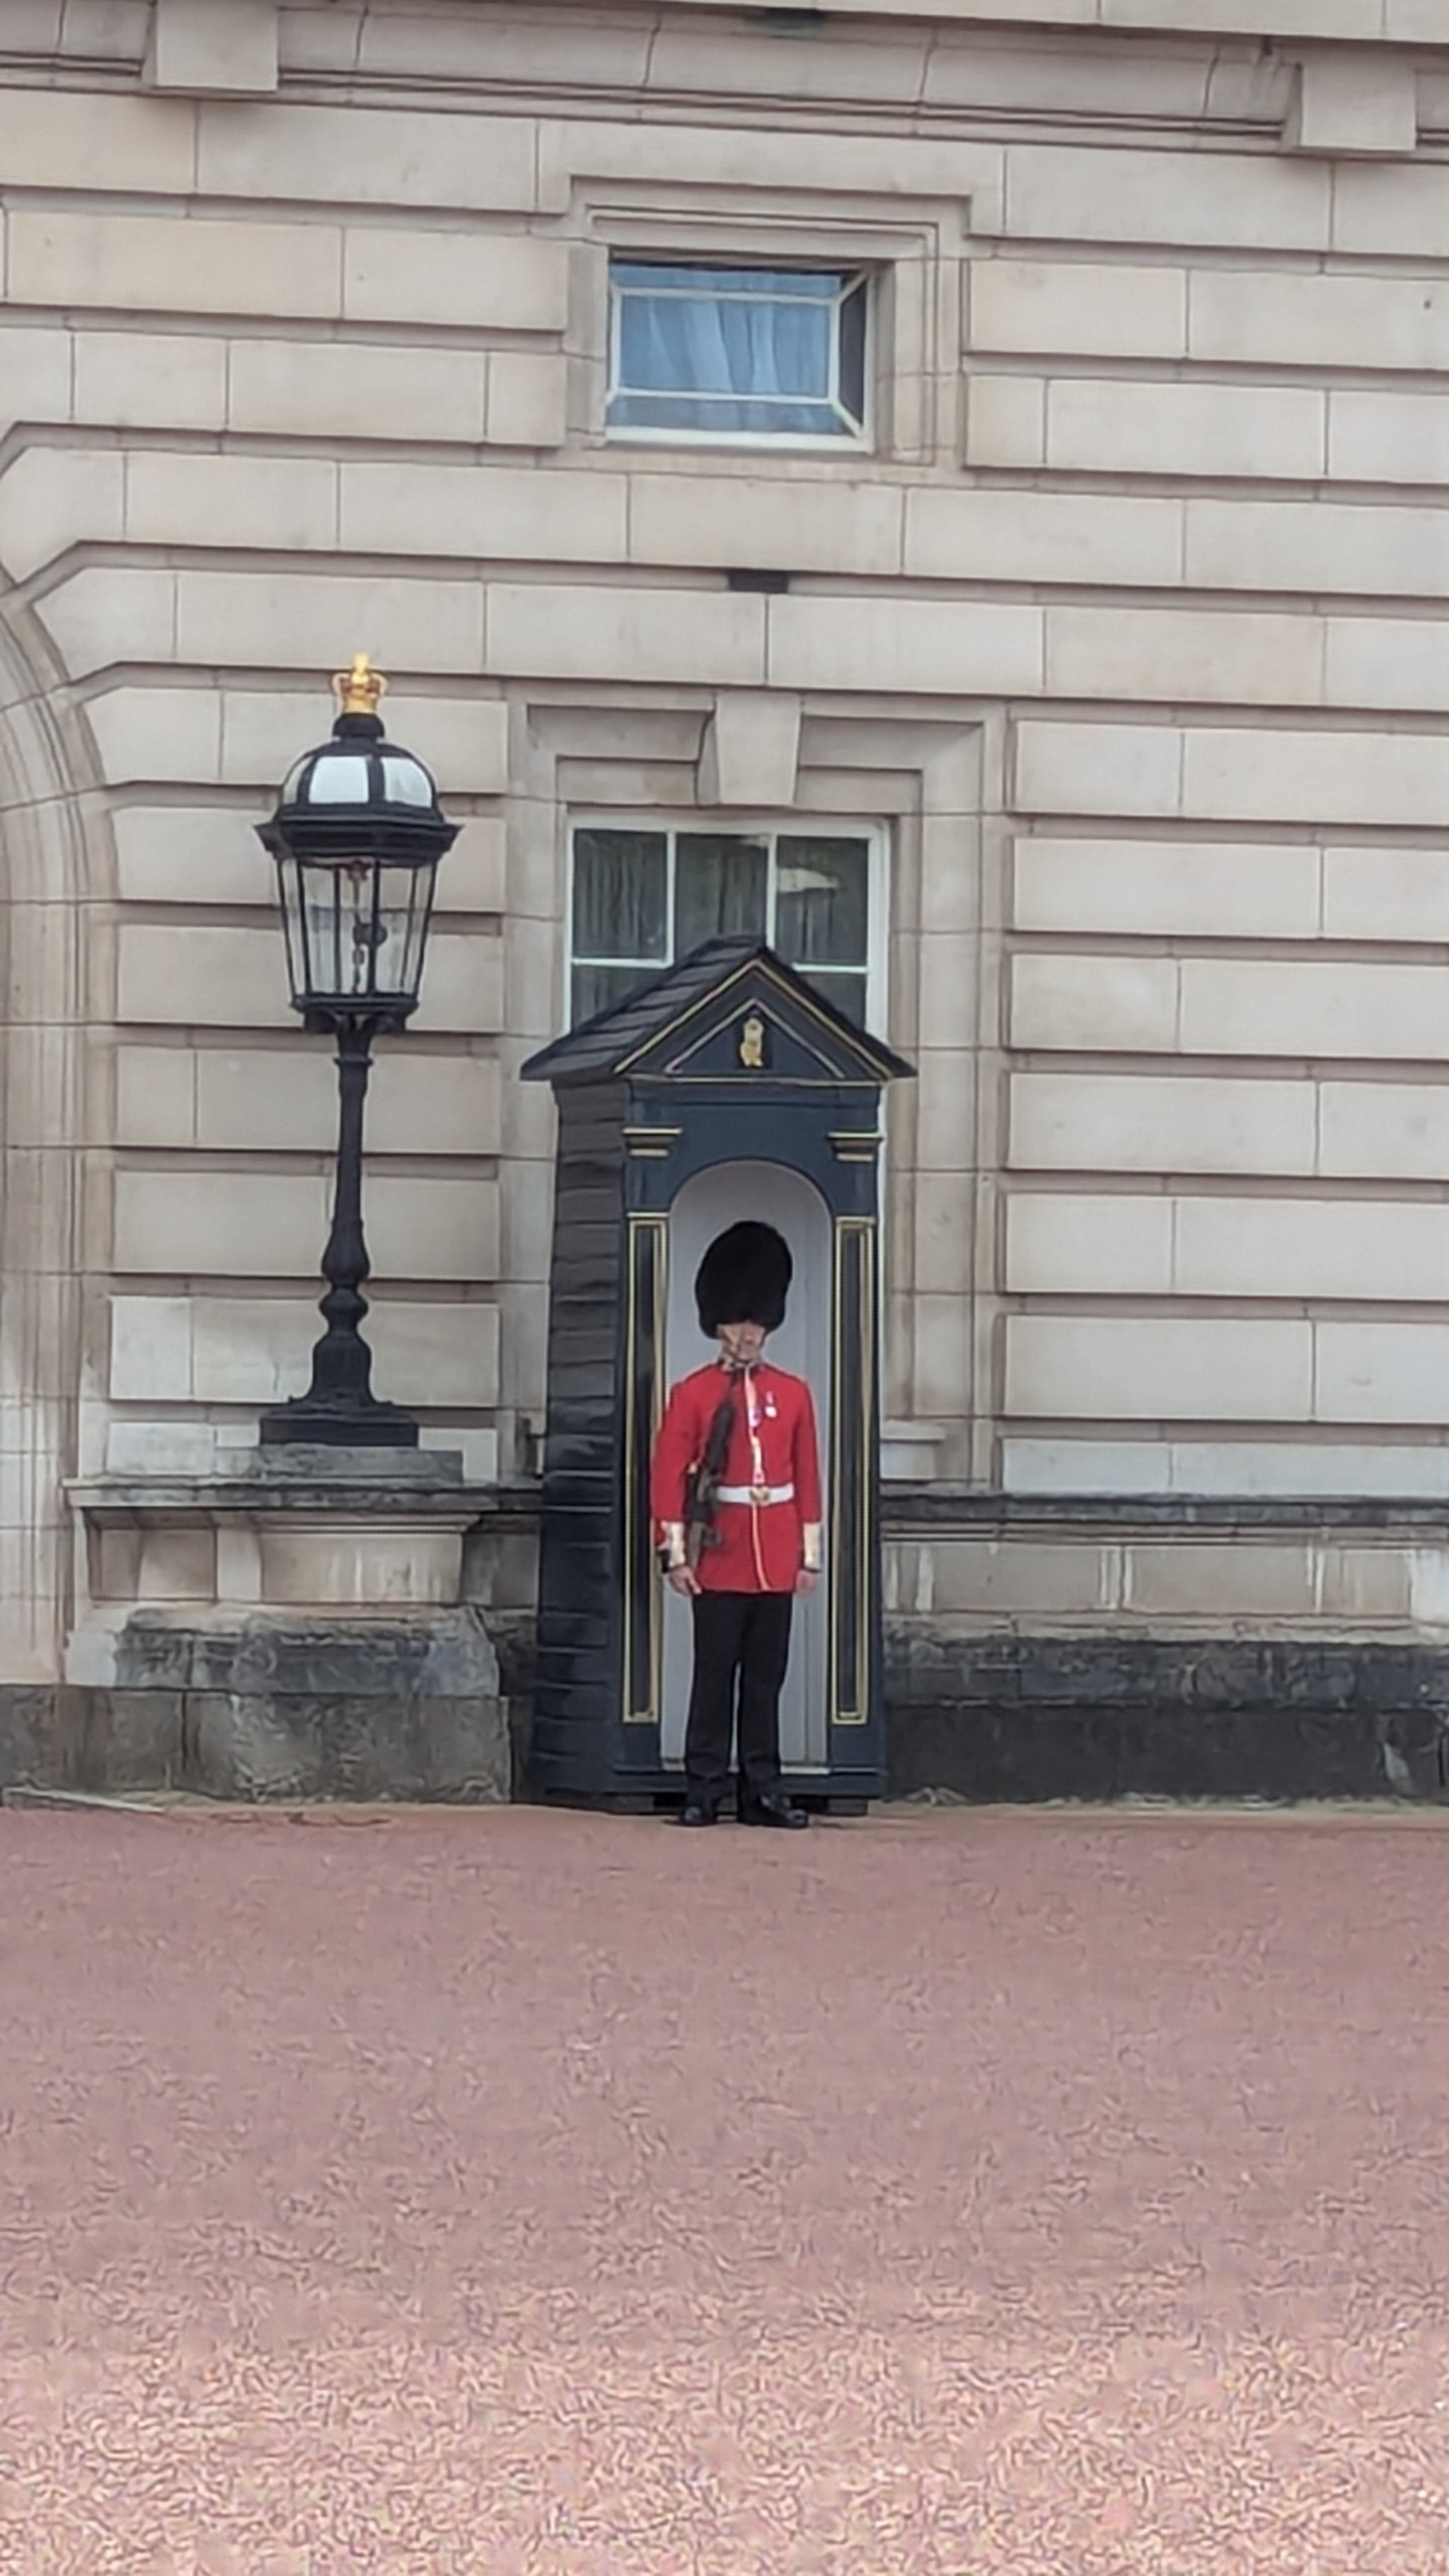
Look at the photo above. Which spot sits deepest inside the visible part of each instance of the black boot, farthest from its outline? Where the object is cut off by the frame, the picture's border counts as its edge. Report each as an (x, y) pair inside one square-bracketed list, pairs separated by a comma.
[(775, 1809)]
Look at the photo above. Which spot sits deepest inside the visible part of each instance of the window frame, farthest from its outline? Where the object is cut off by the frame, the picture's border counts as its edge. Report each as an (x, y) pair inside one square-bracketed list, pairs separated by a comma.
[(771, 827), (856, 275)]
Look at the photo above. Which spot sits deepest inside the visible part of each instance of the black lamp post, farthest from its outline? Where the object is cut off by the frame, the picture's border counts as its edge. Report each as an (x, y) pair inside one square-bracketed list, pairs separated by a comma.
[(357, 836)]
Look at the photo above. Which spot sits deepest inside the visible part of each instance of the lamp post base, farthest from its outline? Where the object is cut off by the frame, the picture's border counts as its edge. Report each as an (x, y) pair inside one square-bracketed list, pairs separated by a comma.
[(304, 1423)]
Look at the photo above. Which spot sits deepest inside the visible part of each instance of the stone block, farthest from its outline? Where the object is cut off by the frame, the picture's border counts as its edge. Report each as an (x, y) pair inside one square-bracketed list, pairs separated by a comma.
[(1236, 773), (1132, 1122), (171, 264), (1120, 1005), (51, 138), (35, 375), (249, 1225), (359, 1564), (344, 154), (751, 749), (209, 978), (191, 854), (1058, 537), (353, 389), (155, 1096), (1282, 319), (949, 646), (1357, 101), (462, 986), (432, 1228), (475, 878), (231, 617), (289, 503), (1105, 1245), (1398, 212), (1225, 1580), (176, 1565), (1389, 662), (1063, 768), (1106, 425), (1014, 1577), (156, 735), (1067, 1466), (1382, 1373), (1306, 1467), (196, 46), (1393, 894), (1316, 546), (473, 280), (107, 614), (1195, 889), (53, 498), (255, 1099), (527, 403), (1386, 437), (1005, 420), (150, 380), (1312, 1008), (1223, 200), (150, 1350), (762, 521), (1078, 308), (1157, 1368), (1385, 1249), (160, 1448), (1384, 1129), (496, 512), (573, 631), (1202, 656)]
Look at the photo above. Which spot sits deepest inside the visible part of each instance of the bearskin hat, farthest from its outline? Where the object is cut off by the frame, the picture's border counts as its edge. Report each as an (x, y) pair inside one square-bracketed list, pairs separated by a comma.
[(744, 1278)]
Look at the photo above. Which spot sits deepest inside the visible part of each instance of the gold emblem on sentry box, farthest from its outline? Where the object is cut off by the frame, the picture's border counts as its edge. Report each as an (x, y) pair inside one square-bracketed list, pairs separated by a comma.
[(752, 1043)]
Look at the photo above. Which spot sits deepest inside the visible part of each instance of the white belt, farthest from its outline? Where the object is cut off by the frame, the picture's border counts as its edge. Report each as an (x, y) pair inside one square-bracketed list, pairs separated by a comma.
[(754, 1493)]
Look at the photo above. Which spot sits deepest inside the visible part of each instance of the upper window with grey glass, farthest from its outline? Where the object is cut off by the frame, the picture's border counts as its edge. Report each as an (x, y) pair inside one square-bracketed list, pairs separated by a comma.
[(700, 352)]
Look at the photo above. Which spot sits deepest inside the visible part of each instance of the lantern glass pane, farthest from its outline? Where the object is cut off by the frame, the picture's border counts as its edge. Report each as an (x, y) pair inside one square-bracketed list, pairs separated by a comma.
[(406, 782), (290, 894), (340, 778), (404, 901)]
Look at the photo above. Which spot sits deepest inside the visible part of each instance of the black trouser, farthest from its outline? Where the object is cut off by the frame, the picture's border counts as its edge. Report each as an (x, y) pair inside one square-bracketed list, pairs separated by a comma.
[(744, 1633)]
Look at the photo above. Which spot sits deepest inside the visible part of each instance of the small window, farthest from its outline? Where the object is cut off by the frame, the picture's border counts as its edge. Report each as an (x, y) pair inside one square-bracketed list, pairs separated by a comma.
[(643, 898), (731, 353)]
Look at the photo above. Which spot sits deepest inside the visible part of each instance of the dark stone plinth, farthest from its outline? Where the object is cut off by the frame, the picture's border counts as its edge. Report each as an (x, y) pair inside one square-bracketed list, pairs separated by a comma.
[(996, 1719), (346, 1707)]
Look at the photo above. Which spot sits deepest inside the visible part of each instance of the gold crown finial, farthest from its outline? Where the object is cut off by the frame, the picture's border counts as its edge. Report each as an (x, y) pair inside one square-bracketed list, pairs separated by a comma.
[(359, 689)]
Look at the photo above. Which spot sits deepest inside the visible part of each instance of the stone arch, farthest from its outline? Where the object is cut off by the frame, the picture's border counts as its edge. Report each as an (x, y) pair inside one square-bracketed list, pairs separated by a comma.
[(47, 771)]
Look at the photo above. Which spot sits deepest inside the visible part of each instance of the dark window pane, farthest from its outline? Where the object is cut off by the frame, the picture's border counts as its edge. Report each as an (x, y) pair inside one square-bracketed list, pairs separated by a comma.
[(598, 988), (621, 894), (720, 887), (822, 902), (852, 352), (847, 992)]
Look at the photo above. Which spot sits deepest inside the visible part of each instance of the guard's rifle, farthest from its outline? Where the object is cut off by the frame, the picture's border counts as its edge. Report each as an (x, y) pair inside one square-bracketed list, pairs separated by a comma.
[(703, 1482)]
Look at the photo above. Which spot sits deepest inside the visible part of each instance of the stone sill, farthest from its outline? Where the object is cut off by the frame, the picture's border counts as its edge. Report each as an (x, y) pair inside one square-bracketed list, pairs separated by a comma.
[(349, 1496)]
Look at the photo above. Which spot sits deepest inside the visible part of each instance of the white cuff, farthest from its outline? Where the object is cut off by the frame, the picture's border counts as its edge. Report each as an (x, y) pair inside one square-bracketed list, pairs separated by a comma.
[(674, 1547), (810, 1546)]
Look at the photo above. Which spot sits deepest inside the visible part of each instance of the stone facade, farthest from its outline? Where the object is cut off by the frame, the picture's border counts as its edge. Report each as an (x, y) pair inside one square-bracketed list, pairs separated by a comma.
[(1126, 631)]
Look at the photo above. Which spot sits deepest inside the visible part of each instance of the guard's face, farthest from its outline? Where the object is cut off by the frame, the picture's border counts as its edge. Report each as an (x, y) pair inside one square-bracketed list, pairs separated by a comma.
[(741, 1343)]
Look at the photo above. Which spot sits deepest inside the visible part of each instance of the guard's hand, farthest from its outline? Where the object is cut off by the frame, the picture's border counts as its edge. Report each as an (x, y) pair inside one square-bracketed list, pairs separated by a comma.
[(683, 1579), (806, 1579)]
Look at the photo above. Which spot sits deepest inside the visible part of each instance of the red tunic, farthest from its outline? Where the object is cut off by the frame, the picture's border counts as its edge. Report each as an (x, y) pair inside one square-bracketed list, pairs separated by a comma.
[(762, 1545)]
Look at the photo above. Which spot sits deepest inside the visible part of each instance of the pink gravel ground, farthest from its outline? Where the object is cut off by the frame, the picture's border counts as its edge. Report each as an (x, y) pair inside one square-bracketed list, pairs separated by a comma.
[(1059, 2193)]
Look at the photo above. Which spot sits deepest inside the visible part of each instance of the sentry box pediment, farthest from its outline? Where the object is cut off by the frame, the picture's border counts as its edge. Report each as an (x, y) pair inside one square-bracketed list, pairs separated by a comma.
[(724, 1087), (728, 1012)]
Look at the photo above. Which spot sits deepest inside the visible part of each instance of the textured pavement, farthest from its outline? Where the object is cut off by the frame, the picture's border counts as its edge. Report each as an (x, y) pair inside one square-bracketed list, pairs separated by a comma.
[(1061, 2194)]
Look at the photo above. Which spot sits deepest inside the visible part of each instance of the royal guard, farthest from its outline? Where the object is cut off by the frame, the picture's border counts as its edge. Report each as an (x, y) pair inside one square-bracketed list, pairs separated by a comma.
[(735, 1495)]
